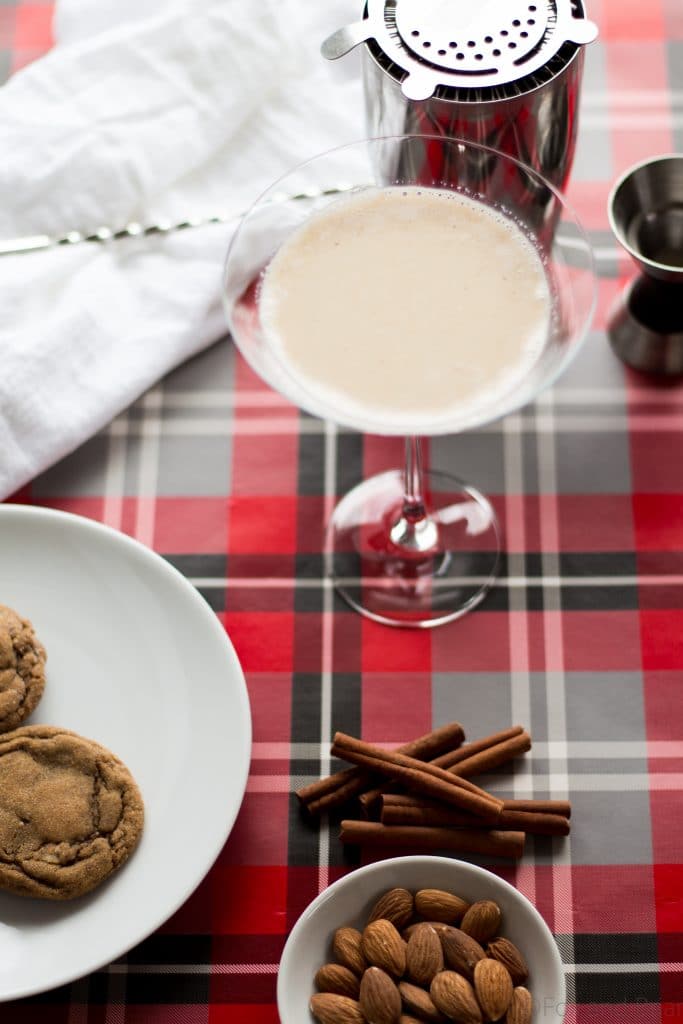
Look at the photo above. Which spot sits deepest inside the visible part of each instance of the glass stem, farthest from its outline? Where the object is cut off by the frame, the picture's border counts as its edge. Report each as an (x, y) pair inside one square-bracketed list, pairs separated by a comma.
[(413, 497), (415, 530)]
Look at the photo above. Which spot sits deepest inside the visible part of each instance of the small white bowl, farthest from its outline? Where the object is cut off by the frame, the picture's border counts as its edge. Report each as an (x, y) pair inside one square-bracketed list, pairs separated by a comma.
[(349, 900)]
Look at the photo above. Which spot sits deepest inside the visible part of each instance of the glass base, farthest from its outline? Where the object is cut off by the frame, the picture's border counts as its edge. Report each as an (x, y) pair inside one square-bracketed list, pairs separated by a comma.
[(405, 575)]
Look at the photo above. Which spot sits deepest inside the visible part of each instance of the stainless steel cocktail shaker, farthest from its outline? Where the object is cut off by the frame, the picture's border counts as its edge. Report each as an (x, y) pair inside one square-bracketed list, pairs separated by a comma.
[(502, 73)]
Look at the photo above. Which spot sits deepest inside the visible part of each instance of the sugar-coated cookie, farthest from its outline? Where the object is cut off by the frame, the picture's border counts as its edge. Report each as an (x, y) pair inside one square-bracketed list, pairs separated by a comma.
[(22, 669), (70, 812)]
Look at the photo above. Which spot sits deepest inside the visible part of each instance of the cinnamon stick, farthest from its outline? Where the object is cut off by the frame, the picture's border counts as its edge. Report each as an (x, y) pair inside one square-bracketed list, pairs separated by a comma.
[(488, 842), (419, 776), (321, 787), (472, 759), (562, 807), (535, 822), (425, 812), (467, 750), (429, 813), (336, 789), (488, 758)]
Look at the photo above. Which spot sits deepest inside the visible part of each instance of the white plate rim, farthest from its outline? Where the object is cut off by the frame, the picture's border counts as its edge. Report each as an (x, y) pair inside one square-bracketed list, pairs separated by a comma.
[(9, 511)]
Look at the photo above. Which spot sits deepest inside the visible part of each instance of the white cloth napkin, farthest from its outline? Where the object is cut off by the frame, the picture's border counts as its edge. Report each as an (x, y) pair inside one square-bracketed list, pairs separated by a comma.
[(143, 110)]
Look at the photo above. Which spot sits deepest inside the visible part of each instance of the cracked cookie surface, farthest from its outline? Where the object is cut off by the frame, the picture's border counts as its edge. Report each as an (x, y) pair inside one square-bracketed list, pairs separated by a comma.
[(70, 812), (22, 669)]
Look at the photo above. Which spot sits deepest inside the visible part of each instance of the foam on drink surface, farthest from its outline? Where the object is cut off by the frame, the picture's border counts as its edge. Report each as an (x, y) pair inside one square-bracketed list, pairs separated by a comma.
[(407, 305)]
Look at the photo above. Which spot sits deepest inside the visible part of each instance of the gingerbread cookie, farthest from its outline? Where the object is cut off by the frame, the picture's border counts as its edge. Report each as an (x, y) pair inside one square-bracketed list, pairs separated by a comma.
[(70, 813), (22, 669)]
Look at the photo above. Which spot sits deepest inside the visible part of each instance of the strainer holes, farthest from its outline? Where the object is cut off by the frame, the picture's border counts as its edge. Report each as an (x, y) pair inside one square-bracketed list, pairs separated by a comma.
[(415, 33), (524, 35), (496, 53), (488, 39), (516, 23), (478, 56), (426, 44), (504, 32), (452, 45), (460, 56), (471, 42), (532, 7), (512, 46), (442, 53), (531, 21)]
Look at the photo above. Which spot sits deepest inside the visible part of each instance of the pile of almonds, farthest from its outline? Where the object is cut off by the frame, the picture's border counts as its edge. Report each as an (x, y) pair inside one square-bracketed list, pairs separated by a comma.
[(412, 965)]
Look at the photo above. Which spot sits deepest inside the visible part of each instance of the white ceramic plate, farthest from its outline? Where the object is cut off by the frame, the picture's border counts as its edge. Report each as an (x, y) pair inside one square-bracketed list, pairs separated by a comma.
[(138, 662)]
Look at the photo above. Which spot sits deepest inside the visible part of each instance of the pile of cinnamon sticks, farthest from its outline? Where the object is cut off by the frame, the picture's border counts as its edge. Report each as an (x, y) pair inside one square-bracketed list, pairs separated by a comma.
[(419, 795)]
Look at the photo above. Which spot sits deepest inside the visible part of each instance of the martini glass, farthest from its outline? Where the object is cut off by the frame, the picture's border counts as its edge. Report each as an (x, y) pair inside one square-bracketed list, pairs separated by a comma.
[(411, 546)]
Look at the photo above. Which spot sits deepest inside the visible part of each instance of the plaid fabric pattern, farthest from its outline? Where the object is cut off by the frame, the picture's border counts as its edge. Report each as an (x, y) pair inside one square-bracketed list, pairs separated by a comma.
[(581, 638)]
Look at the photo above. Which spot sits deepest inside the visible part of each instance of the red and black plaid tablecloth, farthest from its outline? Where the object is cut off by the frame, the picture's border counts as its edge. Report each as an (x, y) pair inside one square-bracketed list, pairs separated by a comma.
[(581, 640)]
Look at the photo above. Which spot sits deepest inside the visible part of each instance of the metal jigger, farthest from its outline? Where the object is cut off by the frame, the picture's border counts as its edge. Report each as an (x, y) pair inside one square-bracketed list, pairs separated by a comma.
[(645, 209)]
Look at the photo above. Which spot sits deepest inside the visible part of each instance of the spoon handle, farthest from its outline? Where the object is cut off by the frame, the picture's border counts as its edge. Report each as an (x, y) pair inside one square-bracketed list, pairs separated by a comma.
[(34, 243)]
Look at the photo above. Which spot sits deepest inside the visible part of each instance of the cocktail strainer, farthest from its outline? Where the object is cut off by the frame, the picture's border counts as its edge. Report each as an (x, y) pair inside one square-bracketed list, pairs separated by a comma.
[(449, 44)]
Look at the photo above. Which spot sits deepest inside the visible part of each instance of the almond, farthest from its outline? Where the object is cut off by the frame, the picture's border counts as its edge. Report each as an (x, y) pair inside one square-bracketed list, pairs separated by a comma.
[(436, 925), (396, 906), (346, 947), (508, 954), (454, 996), (460, 951), (382, 946), (417, 1001), (437, 905), (380, 1002), (339, 979), (424, 955), (493, 986), (329, 1008), (519, 1010), (482, 920)]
